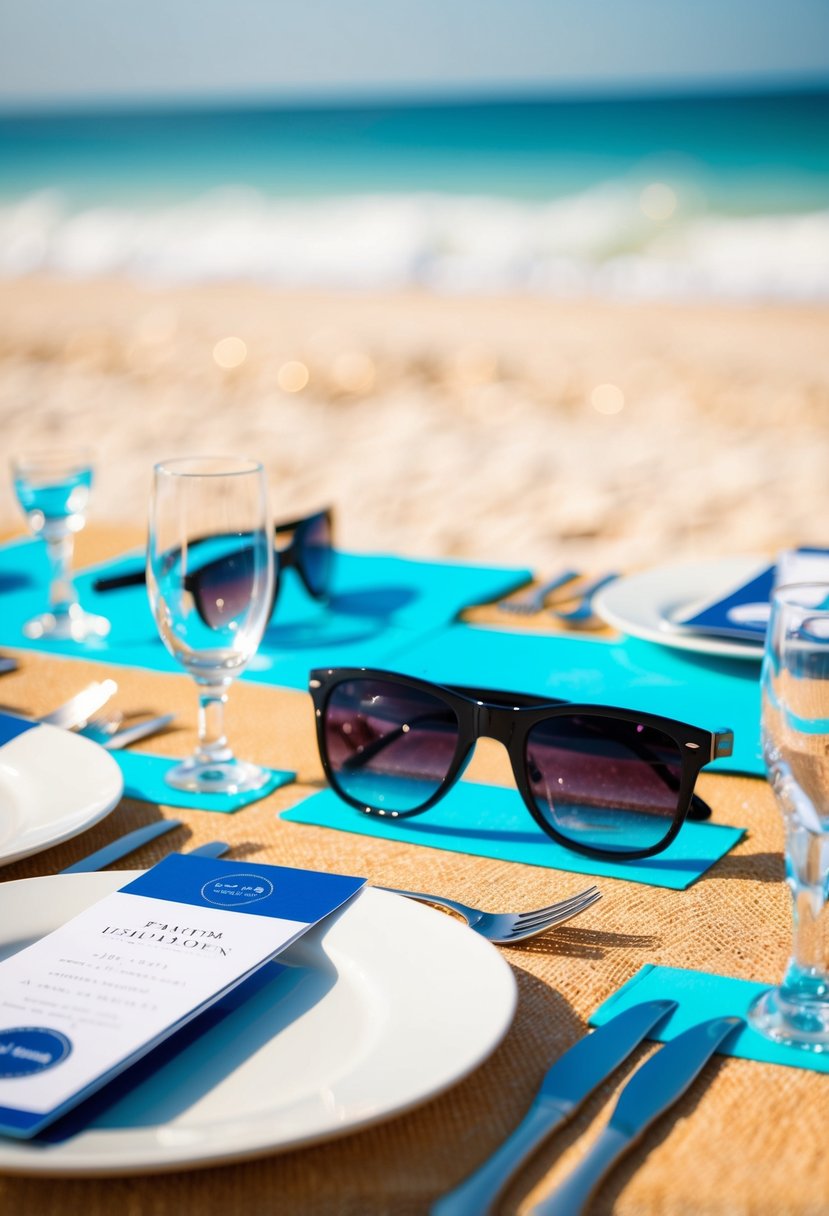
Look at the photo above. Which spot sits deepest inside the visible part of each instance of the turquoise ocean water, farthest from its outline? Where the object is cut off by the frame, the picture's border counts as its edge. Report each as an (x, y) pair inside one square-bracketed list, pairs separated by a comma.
[(705, 196)]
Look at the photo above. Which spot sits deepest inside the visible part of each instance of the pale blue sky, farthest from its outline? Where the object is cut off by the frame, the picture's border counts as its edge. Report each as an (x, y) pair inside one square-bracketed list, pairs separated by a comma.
[(79, 51)]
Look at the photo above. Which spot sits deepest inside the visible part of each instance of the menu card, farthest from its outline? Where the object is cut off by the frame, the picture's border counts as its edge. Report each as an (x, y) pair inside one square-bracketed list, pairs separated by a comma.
[(741, 612), (90, 999)]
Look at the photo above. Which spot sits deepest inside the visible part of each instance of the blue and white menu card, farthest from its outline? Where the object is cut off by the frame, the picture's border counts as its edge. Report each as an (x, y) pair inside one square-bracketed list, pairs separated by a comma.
[(741, 612), (88, 1000)]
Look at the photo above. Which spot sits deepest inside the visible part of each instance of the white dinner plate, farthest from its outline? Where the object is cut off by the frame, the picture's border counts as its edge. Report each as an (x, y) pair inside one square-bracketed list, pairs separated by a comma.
[(53, 785), (645, 605), (383, 1006)]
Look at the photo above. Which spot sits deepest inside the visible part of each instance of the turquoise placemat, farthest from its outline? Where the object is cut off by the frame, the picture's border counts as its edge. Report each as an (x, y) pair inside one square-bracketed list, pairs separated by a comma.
[(144, 779), (701, 995), (706, 692), (380, 602), (491, 821)]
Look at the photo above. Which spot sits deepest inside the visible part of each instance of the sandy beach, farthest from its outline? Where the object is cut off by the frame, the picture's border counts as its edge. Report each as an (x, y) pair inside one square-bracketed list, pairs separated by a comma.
[(519, 430)]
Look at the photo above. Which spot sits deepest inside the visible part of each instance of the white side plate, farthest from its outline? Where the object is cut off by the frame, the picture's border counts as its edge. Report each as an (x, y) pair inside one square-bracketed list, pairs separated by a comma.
[(382, 1006), (53, 785), (645, 605)]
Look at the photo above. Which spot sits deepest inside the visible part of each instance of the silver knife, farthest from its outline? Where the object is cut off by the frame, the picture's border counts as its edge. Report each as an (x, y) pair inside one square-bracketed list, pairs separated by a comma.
[(213, 848), (565, 1086), (141, 730), (121, 847), (652, 1090), (77, 711)]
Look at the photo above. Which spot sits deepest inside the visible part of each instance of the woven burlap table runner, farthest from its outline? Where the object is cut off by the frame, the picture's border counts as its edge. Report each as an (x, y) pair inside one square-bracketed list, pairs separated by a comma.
[(751, 1140)]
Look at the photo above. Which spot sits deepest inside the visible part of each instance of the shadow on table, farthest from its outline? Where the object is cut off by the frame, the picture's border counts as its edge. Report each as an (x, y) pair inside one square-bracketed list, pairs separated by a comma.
[(571, 942), (356, 616), (128, 815), (241, 849), (381, 602), (13, 580), (758, 867), (181, 1071)]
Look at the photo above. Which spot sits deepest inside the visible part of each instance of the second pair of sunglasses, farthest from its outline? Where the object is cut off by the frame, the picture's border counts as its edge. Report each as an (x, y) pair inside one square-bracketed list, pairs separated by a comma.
[(610, 783), (223, 581)]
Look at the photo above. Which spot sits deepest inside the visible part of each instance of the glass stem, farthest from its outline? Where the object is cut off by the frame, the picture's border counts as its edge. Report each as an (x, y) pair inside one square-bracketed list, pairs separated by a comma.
[(807, 864), (213, 746), (62, 594)]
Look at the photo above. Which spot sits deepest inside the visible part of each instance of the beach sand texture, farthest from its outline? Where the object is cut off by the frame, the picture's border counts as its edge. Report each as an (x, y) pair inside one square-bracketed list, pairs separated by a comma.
[(526, 430)]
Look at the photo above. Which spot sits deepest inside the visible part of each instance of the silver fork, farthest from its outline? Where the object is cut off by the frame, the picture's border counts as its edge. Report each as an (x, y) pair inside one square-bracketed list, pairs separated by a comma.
[(102, 726), (583, 611), (108, 729), (533, 600), (504, 928)]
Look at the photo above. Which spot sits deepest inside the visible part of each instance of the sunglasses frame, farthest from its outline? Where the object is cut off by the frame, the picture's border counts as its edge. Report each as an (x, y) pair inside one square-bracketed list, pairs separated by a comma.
[(287, 558), (509, 717)]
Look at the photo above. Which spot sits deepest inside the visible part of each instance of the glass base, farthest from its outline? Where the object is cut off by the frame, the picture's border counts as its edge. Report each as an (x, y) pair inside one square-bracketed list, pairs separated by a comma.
[(72, 626), (792, 1023), (220, 777)]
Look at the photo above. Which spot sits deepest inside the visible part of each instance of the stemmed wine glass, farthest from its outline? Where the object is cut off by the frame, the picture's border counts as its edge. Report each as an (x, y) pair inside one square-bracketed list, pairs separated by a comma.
[(210, 579), (53, 491), (795, 683)]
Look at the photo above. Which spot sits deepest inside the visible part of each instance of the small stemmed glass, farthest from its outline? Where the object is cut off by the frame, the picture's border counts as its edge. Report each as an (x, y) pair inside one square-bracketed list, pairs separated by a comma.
[(209, 516), (53, 490), (795, 694)]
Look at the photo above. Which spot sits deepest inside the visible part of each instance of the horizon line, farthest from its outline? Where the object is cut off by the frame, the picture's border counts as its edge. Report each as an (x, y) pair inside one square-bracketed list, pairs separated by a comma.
[(720, 88)]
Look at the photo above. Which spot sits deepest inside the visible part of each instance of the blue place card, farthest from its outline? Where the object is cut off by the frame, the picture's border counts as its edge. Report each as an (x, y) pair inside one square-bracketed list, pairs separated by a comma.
[(742, 612), (11, 726), (701, 995), (491, 821), (87, 1001)]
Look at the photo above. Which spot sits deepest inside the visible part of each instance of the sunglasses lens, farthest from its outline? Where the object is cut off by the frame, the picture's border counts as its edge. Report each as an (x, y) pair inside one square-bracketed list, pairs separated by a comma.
[(604, 783), (226, 588), (317, 554), (388, 746)]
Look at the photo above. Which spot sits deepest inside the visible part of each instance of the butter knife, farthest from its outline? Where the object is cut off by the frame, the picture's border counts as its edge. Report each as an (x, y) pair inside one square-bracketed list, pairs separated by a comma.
[(213, 848), (140, 730), (652, 1090), (77, 711), (119, 848), (571, 1079)]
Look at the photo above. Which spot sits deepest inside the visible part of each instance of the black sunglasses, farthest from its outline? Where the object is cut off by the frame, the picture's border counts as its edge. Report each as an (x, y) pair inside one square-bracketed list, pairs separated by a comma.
[(605, 782), (221, 582)]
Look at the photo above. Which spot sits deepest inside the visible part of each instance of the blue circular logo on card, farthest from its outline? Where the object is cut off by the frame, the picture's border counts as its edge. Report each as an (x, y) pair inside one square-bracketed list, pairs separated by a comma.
[(25, 1050), (236, 890)]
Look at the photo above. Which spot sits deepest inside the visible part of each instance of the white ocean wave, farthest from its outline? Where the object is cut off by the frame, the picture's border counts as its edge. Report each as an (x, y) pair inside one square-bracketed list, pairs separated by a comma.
[(605, 241)]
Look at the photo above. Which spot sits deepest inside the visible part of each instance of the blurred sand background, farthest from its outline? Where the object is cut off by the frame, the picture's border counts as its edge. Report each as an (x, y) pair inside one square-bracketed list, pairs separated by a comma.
[(525, 430)]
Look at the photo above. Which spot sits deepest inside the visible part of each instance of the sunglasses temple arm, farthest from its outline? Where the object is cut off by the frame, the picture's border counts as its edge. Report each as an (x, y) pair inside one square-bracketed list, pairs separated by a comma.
[(135, 578), (282, 526), (722, 744), (698, 809), (366, 754)]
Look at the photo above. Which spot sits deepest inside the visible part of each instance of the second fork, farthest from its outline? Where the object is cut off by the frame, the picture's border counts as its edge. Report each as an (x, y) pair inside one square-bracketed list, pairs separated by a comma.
[(533, 600), (505, 928)]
